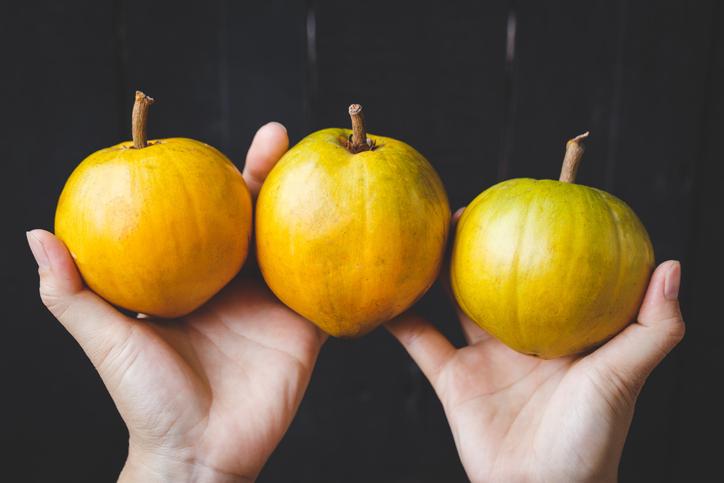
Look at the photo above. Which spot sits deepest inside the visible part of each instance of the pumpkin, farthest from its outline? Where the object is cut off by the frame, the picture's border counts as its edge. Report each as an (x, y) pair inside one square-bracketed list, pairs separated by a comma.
[(156, 227), (550, 268), (351, 228)]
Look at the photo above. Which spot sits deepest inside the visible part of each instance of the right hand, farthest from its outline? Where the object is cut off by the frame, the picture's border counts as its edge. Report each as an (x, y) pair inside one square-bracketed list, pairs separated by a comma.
[(206, 397)]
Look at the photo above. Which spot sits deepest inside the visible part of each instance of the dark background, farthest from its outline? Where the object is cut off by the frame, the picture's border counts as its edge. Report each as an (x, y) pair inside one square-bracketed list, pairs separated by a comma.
[(486, 90)]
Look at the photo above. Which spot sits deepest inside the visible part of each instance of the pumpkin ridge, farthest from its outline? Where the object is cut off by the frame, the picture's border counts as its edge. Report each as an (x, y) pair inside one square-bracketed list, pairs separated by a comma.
[(514, 267), (618, 237)]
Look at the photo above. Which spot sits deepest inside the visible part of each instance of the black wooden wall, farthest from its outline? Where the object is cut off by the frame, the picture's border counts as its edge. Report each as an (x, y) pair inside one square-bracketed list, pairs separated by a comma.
[(487, 90)]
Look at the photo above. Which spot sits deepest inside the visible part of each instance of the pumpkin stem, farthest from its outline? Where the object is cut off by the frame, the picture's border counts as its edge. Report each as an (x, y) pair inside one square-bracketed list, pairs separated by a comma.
[(572, 159), (358, 141), (139, 118)]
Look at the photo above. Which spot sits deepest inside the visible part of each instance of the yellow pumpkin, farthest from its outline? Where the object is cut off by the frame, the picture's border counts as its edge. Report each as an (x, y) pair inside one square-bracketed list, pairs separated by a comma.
[(156, 227), (550, 268), (350, 228)]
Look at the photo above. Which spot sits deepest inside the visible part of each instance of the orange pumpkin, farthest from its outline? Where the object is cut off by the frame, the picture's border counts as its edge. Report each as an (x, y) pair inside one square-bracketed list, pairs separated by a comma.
[(156, 227), (350, 228)]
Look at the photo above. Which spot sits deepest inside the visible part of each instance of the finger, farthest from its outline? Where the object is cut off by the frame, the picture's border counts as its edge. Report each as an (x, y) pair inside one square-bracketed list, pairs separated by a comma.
[(93, 323), (635, 352), (430, 350), (269, 144), (472, 331), (456, 217)]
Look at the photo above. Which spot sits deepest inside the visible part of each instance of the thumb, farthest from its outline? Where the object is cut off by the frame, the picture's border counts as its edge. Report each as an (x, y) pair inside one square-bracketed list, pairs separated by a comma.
[(269, 144), (430, 350), (94, 324), (631, 356)]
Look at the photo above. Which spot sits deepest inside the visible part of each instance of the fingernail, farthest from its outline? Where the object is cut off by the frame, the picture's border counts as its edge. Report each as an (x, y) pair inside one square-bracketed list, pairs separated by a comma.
[(41, 257), (673, 281), (277, 124)]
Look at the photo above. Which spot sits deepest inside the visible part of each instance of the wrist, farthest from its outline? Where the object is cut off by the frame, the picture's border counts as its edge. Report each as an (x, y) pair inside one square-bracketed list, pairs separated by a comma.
[(154, 467)]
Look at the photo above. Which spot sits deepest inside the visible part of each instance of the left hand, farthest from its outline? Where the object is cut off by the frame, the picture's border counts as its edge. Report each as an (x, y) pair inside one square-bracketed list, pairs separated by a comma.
[(519, 418)]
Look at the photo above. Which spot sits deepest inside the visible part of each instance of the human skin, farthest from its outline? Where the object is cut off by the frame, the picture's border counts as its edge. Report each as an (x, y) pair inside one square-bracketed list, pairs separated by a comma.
[(517, 418), (205, 397)]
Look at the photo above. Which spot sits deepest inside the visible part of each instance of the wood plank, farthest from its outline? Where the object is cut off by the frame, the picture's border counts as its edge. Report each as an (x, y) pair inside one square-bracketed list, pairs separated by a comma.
[(267, 66), (664, 96), (59, 106), (430, 76), (196, 59), (634, 76), (433, 76), (696, 455), (171, 51), (564, 82)]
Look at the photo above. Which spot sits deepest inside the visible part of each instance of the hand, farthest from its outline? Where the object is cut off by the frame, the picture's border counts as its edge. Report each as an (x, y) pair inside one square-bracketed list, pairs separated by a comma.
[(206, 397), (518, 418)]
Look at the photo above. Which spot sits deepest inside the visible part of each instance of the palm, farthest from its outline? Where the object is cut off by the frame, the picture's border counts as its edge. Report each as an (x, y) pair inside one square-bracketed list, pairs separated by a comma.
[(509, 411), (219, 386), (519, 418)]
